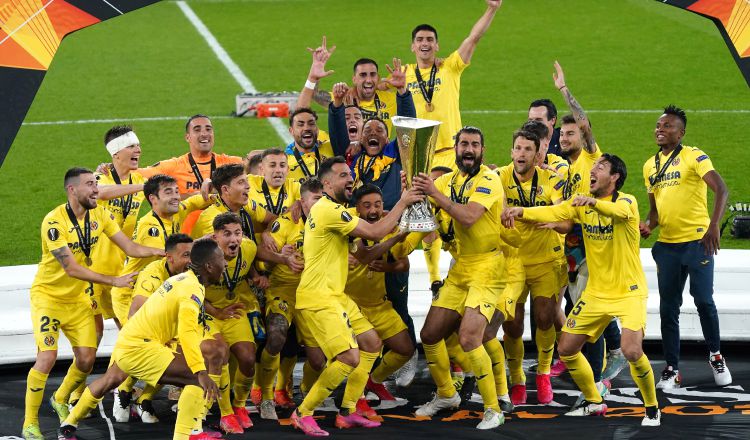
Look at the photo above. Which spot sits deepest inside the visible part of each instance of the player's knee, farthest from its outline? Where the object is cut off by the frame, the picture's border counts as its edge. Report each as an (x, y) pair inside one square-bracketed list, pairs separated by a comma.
[(85, 361), (276, 340), (349, 357), (564, 349), (632, 352), (317, 360), (469, 340), (428, 336), (370, 343), (45, 360)]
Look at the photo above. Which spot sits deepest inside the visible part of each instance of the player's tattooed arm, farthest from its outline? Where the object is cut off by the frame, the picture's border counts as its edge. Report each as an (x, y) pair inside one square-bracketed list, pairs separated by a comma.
[(62, 256), (589, 143), (322, 97)]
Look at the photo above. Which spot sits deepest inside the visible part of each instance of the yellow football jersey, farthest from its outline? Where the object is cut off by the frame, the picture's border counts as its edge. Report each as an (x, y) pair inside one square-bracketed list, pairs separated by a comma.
[(680, 194), (310, 161), (445, 98), (326, 246), (579, 172), (366, 287), (109, 257), (204, 225), (175, 310), (486, 189), (152, 231), (383, 105), (237, 275), (276, 200), (558, 164), (446, 230), (611, 237), (286, 232), (151, 277), (51, 282), (538, 245)]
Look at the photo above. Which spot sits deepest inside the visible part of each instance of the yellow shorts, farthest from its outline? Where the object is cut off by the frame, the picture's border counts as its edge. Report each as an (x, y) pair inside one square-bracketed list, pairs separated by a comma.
[(336, 325), (591, 314), (446, 158), (101, 300), (121, 299), (543, 280), (384, 319), (232, 330), (76, 320), (281, 302), (474, 281), (146, 361)]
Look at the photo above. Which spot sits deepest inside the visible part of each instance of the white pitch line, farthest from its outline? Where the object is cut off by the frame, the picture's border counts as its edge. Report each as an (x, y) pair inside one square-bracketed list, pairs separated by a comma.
[(638, 111), (232, 67), (467, 112), (109, 422)]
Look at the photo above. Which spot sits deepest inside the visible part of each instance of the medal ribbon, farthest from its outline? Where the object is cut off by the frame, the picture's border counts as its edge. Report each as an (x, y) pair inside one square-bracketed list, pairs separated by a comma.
[(427, 89), (534, 186), (125, 201), (84, 237)]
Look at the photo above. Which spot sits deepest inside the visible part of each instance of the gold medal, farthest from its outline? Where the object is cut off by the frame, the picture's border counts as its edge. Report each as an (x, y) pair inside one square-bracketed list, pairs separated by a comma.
[(429, 107), (88, 261)]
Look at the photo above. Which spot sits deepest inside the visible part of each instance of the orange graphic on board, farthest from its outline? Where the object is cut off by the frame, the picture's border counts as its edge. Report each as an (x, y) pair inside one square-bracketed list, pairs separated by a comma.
[(734, 15), (31, 30)]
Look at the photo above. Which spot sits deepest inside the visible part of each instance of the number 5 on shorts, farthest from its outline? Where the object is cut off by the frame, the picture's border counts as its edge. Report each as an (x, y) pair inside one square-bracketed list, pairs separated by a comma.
[(577, 308)]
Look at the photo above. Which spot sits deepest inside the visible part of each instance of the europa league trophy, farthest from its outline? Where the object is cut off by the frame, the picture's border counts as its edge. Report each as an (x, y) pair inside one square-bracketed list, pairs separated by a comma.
[(416, 145)]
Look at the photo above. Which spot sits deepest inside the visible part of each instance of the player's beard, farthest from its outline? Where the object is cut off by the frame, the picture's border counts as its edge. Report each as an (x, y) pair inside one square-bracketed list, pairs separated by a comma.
[(571, 152), (87, 203), (472, 169), (341, 196)]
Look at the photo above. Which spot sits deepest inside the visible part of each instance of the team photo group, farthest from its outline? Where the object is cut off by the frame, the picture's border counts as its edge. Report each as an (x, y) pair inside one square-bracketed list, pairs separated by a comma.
[(237, 265)]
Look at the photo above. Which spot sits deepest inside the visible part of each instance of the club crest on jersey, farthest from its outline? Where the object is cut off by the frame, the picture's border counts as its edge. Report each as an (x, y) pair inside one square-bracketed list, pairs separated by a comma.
[(570, 323), (345, 216), (94, 226), (676, 161), (49, 341), (153, 232), (53, 234)]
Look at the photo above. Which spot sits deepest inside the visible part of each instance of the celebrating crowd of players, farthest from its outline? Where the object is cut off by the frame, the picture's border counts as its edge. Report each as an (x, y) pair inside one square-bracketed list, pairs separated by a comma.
[(240, 262)]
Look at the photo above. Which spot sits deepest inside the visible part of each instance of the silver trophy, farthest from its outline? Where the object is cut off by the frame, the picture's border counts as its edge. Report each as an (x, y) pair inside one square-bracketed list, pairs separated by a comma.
[(416, 145)]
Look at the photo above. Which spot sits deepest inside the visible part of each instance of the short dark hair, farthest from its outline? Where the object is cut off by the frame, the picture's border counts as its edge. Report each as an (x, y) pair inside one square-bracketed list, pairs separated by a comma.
[(74, 173), (375, 118), (548, 104), (536, 127), (673, 110), (300, 110), (273, 151), (527, 134), (423, 27), (225, 218), (469, 130), (441, 169), (190, 119), (363, 61), (254, 161), (327, 166), (311, 185), (154, 183), (175, 239), (364, 190), (201, 252), (569, 119), (115, 132), (616, 166), (225, 174)]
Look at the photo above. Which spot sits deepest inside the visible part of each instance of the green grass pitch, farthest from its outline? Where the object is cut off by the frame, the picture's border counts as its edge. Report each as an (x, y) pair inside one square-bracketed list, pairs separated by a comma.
[(617, 55)]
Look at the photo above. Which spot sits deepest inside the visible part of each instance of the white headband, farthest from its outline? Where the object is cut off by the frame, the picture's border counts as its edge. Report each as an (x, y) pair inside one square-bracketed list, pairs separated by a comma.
[(120, 143)]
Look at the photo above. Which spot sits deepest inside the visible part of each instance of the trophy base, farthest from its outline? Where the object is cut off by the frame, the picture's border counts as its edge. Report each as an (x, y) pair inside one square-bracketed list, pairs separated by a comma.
[(418, 218)]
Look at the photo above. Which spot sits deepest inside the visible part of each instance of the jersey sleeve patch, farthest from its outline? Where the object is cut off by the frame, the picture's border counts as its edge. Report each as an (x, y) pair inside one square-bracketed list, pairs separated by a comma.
[(345, 216), (559, 184), (483, 190), (196, 299), (627, 200), (701, 158)]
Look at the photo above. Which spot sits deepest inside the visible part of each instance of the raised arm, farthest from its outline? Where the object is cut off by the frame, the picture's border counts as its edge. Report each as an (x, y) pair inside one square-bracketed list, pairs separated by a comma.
[(376, 231), (337, 120), (575, 108), (466, 50), (318, 71)]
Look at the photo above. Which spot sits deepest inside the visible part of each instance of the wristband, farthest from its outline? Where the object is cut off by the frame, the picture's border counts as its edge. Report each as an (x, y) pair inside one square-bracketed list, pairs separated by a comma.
[(564, 86), (310, 85)]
